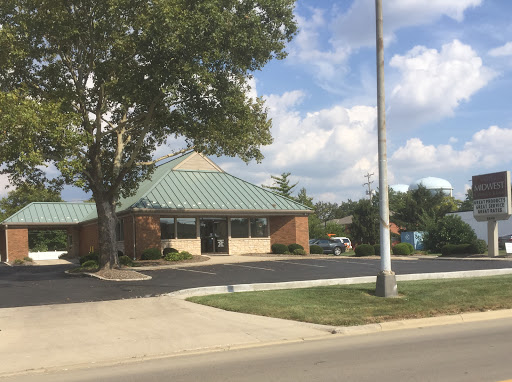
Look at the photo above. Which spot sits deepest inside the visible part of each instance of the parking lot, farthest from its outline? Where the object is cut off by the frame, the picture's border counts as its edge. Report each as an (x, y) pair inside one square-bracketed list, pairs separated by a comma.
[(42, 285)]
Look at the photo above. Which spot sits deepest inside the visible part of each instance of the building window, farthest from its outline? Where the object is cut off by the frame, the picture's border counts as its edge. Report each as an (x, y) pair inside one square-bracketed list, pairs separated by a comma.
[(167, 228), (120, 230), (186, 228), (259, 227), (239, 227)]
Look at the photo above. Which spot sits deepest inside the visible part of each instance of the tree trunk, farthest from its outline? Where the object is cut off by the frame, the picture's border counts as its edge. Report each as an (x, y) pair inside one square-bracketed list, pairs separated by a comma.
[(107, 221)]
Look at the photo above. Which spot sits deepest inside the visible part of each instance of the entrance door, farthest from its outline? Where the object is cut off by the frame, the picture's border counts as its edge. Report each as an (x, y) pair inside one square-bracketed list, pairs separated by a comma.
[(214, 235)]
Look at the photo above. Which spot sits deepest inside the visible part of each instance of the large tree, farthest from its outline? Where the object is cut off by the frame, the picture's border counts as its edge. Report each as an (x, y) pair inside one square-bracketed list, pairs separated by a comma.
[(281, 185), (94, 86)]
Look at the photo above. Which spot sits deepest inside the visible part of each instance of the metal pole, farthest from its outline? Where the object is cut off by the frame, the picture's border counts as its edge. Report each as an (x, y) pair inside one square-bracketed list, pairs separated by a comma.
[(386, 281)]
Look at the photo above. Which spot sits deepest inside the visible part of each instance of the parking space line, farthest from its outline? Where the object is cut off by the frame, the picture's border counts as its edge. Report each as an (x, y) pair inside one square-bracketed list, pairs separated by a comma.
[(359, 262), (192, 270), (249, 266), (306, 265)]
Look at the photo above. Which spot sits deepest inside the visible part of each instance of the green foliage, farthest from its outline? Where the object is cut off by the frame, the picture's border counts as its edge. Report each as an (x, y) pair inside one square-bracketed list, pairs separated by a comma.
[(38, 247), (316, 249), (478, 246), (467, 204), (28, 259), (91, 256), (90, 264), (402, 249), (411, 248), (125, 260), (178, 256), (94, 87), (47, 240), (293, 247), (365, 223), (376, 249), (279, 249), (281, 185), (151, 254), (298, 251), (449, 230), (25, 194), (364, 250), (19, 262), (169, 250), (304, 199)]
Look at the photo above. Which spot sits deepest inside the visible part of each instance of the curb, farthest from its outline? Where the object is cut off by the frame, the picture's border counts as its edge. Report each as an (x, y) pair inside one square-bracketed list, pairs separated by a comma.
[(202, 291)]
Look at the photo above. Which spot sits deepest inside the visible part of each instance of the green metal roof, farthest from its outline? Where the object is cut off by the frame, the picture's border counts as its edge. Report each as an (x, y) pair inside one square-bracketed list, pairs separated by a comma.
[(52, 213), (172, 189)]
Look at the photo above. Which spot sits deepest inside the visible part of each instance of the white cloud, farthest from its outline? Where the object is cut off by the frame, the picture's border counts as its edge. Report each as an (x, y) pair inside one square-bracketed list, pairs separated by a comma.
[(501, 51), (433, 83), (4, 182), (356, 27), (488, 148)]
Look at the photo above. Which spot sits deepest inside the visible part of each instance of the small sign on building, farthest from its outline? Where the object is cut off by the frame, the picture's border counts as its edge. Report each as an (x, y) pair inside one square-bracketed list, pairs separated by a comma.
[(491, 196)]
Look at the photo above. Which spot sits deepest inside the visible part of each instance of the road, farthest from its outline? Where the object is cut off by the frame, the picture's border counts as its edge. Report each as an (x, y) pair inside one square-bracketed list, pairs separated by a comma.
[(45, 285), (463, 352)]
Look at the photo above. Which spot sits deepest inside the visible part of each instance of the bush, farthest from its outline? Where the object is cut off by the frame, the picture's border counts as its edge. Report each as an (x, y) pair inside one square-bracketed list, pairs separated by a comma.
[(298, 251), (478, 246), (449, 230), (63, 255), (316, 250), (411, 248), (365, 250), (28, 259), (151, 254), (169, 250), (91, 256), (279, 249), (90, 264), (18, 262), (125, 260), (293, 247), (402, 249), (178, 256), (376, 249)]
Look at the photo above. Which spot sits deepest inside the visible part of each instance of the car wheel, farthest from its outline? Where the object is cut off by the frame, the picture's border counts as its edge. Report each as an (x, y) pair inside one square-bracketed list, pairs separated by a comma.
[(337, 251)]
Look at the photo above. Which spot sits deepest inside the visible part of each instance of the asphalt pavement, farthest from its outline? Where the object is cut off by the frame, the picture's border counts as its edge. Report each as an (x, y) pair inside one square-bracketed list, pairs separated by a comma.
[(45, 285)]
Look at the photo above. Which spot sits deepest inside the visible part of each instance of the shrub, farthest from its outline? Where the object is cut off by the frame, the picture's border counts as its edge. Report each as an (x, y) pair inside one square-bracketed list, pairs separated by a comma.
[(298, 251), (18, 262), (401, 249), (376, 249), (28, 259), (169, 250), (90, 264), (279, 249), (411, 248), (316, 250), (478, 246), (449, 230), (151, 254), (125, 260), (178, 256), (293, 247), (365, 250), (91, 256), (63, 255)]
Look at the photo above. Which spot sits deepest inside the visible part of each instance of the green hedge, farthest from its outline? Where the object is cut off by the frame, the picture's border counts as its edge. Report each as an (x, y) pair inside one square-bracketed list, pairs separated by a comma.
[(365, 250), (293, 247), (279, 249), (476, 247), (316, 250), (91, 256), (298, 251), (376, 249), (401, 249), (178, 256), (151, 254), (125, 260)]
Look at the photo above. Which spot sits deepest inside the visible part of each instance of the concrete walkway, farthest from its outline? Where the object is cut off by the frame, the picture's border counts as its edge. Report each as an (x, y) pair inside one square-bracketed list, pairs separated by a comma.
[(52, 337)]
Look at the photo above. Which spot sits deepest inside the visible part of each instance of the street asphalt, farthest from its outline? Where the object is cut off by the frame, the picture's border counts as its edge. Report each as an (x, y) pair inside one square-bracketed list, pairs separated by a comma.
[(44, 285)]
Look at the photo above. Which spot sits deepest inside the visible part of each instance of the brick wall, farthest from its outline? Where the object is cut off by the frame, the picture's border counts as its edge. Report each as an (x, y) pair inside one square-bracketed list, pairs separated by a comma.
[(238, 246), (3, 253), (190, 245), (88, 238), (147, 233), (289, 230), (17, 243), (128, 236)]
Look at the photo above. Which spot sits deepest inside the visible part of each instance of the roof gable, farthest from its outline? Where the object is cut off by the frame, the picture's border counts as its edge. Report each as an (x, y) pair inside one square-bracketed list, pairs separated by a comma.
[(52, 213)]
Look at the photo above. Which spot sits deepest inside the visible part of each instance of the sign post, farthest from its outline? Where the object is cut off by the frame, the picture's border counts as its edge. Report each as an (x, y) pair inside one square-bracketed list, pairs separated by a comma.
[(491, 202)]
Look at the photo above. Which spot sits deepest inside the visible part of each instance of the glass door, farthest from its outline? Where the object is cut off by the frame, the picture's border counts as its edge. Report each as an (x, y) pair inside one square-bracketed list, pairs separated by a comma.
[(214, 235)]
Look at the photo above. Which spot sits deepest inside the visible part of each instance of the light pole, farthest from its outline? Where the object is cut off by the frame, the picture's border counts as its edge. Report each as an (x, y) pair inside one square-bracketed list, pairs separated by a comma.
[(386, 280)]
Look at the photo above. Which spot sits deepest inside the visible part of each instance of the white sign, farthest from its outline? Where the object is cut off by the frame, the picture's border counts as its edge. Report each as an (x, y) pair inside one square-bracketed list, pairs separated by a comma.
[(508, 247)]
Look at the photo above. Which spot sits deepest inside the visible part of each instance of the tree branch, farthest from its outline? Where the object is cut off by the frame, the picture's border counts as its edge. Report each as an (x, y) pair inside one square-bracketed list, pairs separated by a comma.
[(164, 157)]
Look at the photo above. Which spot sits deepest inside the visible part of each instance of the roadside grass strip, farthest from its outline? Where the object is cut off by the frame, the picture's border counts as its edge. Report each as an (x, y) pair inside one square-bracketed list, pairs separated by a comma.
[(356, 304)]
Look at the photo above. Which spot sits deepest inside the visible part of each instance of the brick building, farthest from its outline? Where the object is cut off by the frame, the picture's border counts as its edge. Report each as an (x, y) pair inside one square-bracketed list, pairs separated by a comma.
[(189, 204)]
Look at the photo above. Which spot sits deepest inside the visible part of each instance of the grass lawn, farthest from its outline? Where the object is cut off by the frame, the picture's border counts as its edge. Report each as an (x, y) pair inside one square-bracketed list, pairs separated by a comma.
[(347, 305)]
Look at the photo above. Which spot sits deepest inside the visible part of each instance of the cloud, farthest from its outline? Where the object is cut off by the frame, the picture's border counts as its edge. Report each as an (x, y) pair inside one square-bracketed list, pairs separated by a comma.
[(433, 83), (501, 51), (355, 28), (488, 148), (4, 182)]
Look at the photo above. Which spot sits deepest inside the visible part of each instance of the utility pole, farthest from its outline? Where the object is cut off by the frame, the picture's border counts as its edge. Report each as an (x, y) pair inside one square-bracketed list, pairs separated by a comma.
[(369, 184), (386, 280)]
